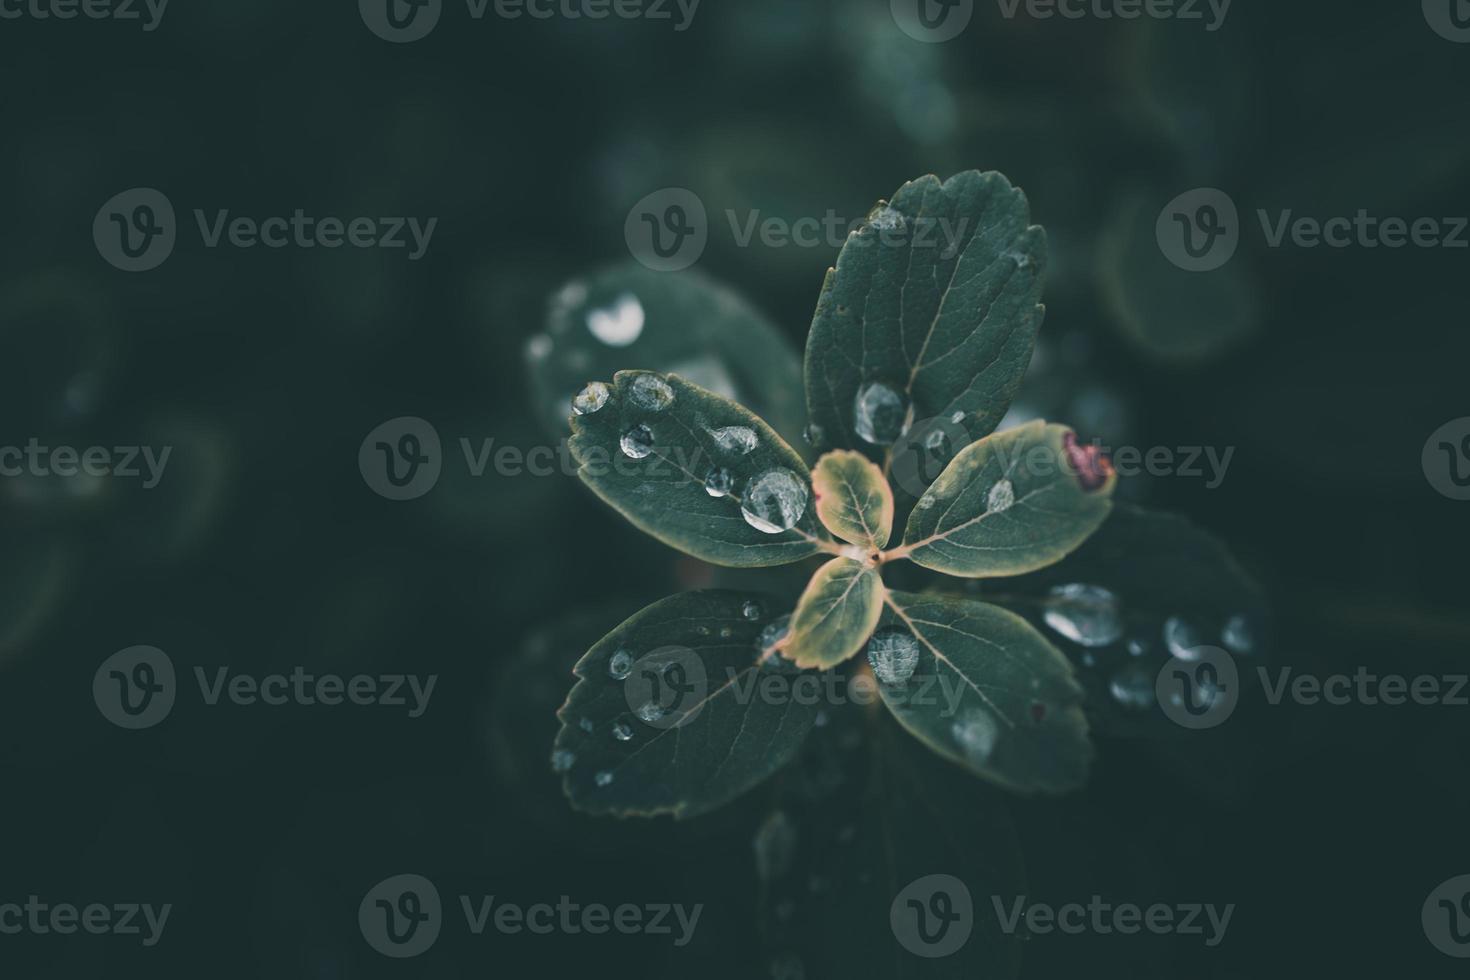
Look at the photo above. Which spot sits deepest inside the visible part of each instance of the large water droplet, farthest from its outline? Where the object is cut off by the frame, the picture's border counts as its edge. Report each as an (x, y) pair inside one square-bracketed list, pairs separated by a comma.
[(562, 760), (774, 501), (1133, 688), (637, 442), (735, 439), (1182, 639), (879, 413), (1002, 496), (619, 324), (894, 653), (975, 734), (620, 665), (590, 399), (650, 393), (622, 731), (1238, 636), (775, 846), (1085, 614)]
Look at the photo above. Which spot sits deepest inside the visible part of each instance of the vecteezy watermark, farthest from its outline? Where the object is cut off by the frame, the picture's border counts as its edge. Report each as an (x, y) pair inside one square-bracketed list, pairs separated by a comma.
[(1200, 689), (932, 916), (403, 21), (1200, 230), (402, 917), (1450, 19), (136, 688), (1446, 917), (1211, 12), (667, 231), (1103, 918), (40, 918), (932, 21), (65, 462), (136, 231), (148, 12), (1446, 459)]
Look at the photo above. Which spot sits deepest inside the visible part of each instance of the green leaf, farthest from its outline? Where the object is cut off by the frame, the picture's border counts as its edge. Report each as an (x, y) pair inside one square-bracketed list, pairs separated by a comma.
[(1154, 567), (658, 446), (853, 499), (987, 691), (668, 716), (936, 299), (1014, 502), (836, 614), (686, 324), (862, 815)]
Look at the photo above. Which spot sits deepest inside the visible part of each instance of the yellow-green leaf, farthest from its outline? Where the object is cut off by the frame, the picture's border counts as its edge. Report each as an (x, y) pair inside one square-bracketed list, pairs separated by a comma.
[(853, 499), (836, 614)]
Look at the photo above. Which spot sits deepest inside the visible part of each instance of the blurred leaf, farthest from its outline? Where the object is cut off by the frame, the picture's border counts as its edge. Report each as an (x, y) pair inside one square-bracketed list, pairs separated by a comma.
[(696, 471), (684, 323), (930, 314), (854, 501), (1009, 504), (667, 715), (989, 692), (836, 614)]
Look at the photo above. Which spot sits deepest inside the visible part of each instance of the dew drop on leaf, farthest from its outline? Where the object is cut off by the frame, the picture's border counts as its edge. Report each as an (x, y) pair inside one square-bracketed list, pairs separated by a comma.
[(736, 439), (590, 399), (619, 324), (886, 219), (751, 610), (620, 665), (1182, 639), (561, 760), (622, 731), (1133, 688), (719, 482), (650, 393), (894, 653), (1137, 647), (1002, 496), (774, 501), (774, 633), (1238, 636), (1085, 614), (586, 725), (878, 414), (650, 712), (975, 735), (813, 435), (637, 442)]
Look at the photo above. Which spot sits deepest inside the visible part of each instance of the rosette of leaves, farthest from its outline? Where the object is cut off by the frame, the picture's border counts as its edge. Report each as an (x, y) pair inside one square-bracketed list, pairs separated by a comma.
[(921, 337)]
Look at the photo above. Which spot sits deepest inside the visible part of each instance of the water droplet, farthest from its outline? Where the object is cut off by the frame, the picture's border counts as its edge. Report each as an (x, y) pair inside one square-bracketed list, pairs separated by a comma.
[(650, 712), (650, 393), (1238, 636), (561, 760), (735, 439), (927, 501), (886, 219), (538, 348), (894, 653), (775, 846), (586, 725), (774, 501), (774, 633), (1133, 688), (975, 734), (1002, 496), (619, 324), (1182, 639), (1137, 647), (719, 482), (934, 441), (622, 731), (637, 442), (590, 399), (751, 610), (603, 778), (620, 665), (813, 435), (879, 413), (726, 632), (1085, 614), (957, 418)]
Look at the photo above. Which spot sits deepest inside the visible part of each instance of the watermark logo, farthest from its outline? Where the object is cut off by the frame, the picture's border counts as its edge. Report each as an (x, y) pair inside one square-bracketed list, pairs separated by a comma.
[(68, 462), (1104, 918), (667, 231), (1446, 459), (932, 21), (135, 231), (1199, 690), (1446, 917), (401, 916), (666, 688), (135, 688), (1450, 19), (401, 459), (40, 918), (1199, 230), (933, 916), (401, 21), (150, 12)]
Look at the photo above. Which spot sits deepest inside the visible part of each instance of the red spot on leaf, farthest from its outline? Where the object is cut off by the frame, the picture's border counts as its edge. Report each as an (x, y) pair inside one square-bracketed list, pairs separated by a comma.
[(1092, 468)]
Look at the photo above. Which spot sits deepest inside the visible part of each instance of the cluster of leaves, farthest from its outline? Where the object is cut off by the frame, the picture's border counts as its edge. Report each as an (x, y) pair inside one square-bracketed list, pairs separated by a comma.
[(917, 348)]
